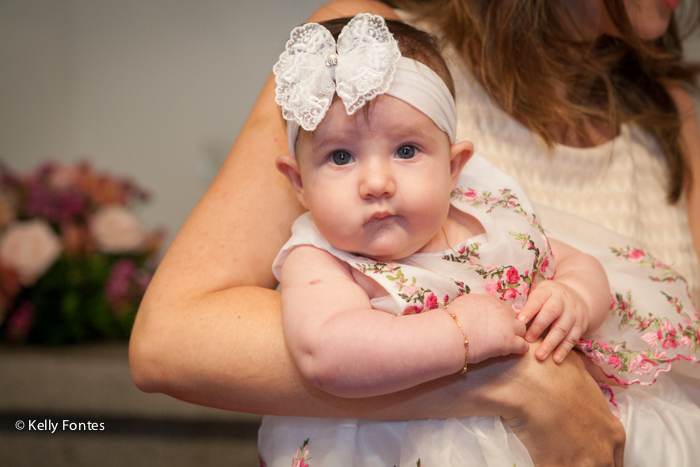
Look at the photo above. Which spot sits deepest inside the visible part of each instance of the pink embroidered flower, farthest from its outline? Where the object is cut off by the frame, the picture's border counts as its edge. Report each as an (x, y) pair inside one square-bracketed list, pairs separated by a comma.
[(635, 364), (667, 327), (687, 342), (659, 355), (597, 357), (669, 343), (389, 267), (446, 300), (544, 265), (410, 289), (431, 301), (512, 276), (511, 203), (651, 338), (490, 287), (470, 194), (604, 346), (646, 366), (635, 255), (301, 456), (658, 264), (462, 250), (510, 294), (615, 362), (412, 310)]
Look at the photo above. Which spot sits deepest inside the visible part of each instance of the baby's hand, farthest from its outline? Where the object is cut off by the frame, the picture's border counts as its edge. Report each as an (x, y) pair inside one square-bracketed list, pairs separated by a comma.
[(491, 327), (556, 304)]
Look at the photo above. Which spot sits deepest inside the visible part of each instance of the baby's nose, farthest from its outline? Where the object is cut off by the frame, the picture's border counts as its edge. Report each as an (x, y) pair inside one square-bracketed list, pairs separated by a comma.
[(377, 181)]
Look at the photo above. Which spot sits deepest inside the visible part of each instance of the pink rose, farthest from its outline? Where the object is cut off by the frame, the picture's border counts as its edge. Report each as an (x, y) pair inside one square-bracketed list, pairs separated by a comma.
[(512, 276), (116, 230), (431, 302), (651, 338), (635, 255), (510, 294), (646, 366), (669, 343), (30, 248), (544, 265), (410, 289)]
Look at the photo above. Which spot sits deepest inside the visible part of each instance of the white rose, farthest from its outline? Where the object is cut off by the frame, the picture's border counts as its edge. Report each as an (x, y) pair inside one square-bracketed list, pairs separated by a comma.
[(116, 230), (31, 248)]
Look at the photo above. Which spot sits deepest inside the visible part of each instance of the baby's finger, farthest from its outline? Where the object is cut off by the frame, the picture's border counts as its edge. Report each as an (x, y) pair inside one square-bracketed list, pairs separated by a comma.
[(551, 310), (519, 345), (557, 333), (519, 328), (568, 343), (534, 303)]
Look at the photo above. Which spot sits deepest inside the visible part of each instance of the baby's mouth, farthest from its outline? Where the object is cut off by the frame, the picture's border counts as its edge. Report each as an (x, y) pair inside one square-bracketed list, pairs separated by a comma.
[(378, 216)]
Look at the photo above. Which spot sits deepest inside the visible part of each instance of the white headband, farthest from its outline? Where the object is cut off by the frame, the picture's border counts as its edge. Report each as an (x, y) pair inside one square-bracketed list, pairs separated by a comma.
[(365, 63)]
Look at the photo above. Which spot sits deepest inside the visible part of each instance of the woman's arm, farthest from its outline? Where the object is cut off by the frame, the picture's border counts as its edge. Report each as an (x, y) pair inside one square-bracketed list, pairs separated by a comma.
[(209, 330)]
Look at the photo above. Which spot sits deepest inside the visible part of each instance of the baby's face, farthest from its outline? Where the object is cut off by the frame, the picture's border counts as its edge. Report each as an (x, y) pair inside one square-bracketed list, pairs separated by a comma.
[(377, 183)]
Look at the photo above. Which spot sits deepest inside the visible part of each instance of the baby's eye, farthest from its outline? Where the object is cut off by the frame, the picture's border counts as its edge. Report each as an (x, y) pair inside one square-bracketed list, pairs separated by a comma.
[(406, 152), (341, 158)]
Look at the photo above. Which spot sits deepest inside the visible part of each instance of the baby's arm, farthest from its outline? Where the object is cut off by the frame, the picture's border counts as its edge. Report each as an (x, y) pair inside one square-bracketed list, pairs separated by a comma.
[(339, 350), (576, 301)]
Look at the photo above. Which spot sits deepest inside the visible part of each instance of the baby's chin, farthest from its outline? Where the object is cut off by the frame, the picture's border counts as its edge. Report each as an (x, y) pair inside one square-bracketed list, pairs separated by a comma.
[(386, 252)]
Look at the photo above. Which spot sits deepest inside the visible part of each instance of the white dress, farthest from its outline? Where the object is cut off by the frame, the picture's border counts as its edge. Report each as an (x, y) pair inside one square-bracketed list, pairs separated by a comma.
[(504, 262)]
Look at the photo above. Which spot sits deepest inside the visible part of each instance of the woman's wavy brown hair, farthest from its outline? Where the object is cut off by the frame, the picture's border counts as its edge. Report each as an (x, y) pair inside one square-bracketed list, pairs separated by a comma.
[(523, 51)]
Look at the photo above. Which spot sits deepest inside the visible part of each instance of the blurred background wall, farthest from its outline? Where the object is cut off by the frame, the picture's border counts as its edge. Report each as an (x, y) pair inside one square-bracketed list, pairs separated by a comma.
[(153, 89)]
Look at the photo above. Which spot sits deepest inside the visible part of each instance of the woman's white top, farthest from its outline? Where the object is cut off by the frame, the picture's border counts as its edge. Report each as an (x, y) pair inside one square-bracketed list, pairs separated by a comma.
[(620, 185)]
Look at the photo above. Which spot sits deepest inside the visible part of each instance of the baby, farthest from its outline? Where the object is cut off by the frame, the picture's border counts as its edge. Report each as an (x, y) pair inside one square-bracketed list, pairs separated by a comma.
[(404, 219)]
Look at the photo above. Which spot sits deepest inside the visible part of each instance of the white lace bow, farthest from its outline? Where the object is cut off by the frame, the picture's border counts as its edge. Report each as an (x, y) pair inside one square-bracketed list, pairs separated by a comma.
[(312, 67)]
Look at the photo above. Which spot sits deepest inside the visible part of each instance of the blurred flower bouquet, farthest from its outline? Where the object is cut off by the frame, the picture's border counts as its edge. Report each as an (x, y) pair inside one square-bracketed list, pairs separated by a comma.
[(74, 260)]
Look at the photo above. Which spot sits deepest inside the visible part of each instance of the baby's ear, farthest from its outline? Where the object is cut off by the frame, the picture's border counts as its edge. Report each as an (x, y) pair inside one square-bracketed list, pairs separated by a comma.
[(460, 153), (289, 167)]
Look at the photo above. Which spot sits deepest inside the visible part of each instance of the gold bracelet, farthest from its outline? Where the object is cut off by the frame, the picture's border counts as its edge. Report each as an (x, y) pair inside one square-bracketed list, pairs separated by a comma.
[(466, 343)]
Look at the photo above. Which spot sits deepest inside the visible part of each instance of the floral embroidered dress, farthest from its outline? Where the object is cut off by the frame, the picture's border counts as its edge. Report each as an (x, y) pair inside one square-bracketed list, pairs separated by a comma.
[(634, 344)]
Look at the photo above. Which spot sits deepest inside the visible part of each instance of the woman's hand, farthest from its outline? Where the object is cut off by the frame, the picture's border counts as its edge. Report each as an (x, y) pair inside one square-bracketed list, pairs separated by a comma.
[(561, 415)]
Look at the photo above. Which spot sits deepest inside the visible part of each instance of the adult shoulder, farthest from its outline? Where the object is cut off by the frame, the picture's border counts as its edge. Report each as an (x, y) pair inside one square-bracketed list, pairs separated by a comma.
[(345, 8), (690, 142)]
